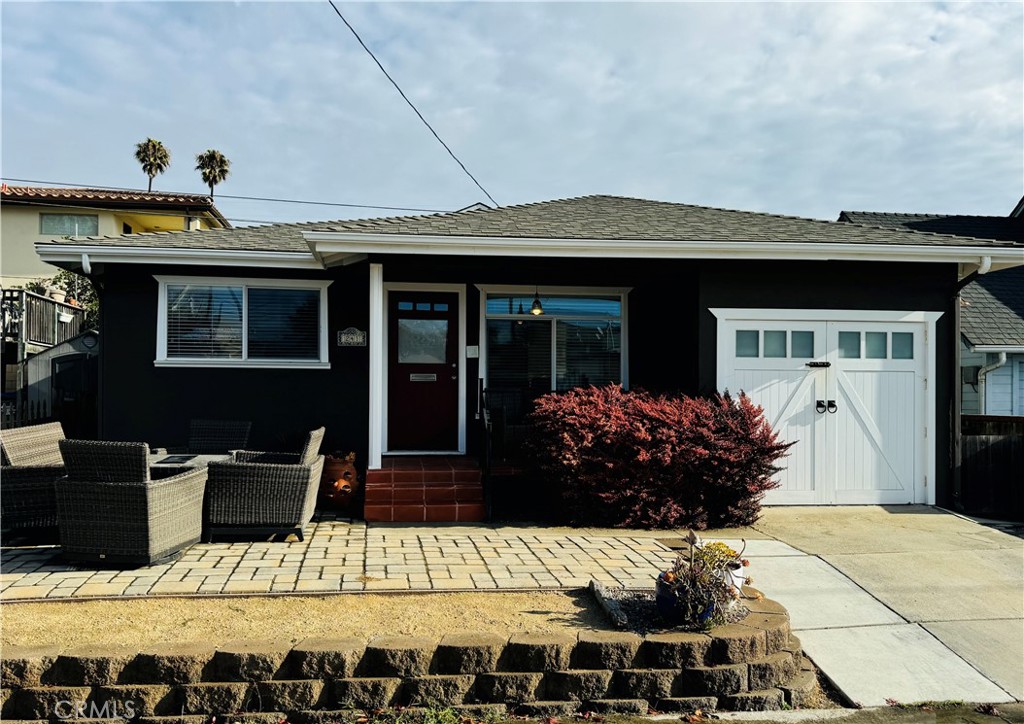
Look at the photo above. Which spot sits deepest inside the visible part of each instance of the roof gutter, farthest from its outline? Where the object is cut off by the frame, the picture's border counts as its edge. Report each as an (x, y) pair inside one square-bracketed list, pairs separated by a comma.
[(1009, 348), (333, 242), (83, 254)]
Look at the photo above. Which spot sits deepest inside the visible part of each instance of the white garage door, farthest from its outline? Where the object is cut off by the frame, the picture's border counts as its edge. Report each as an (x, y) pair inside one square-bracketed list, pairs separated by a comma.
[(851, 394)]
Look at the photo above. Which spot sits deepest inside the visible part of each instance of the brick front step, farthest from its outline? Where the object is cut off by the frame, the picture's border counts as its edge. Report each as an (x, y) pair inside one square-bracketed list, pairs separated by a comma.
[(456, 512), (425, 489)]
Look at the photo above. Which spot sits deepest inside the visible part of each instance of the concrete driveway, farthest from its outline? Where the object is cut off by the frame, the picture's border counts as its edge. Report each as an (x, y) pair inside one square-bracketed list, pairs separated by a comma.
[(908, 602)]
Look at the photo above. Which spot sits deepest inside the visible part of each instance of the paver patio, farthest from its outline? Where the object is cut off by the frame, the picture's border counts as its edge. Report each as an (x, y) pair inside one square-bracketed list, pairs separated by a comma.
[(341, 555)]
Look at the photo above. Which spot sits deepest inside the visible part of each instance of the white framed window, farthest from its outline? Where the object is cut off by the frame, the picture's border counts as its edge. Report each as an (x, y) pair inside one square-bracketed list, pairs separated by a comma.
[(69, 224), (580, 338), (231, 322)]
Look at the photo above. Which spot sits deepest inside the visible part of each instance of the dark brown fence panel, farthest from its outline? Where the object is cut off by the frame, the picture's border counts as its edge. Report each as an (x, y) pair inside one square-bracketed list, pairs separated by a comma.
[(992, 466)]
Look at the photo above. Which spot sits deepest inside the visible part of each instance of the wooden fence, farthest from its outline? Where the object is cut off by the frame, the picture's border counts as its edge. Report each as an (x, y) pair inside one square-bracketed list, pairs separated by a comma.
[(992, 466)]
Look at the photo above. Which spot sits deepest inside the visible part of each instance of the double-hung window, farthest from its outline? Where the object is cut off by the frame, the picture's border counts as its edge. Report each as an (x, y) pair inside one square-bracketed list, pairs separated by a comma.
[(576, 341), (224, 322)]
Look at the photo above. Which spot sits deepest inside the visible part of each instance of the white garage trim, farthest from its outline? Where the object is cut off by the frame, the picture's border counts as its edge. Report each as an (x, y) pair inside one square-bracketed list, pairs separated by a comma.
[(926, 319)]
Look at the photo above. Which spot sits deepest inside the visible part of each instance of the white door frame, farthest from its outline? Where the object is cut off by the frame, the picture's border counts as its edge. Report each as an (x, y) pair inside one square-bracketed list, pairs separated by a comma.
[(379, 360), (928, 319)]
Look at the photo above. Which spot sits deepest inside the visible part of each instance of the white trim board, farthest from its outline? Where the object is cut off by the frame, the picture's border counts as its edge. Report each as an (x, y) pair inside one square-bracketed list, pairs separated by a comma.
[(70, 254), (927, 319), (382, 425), (376, 444), (330, 242)]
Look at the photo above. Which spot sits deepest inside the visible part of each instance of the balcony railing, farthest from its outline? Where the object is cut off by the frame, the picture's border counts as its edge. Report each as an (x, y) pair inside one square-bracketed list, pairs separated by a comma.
[(31, 318)]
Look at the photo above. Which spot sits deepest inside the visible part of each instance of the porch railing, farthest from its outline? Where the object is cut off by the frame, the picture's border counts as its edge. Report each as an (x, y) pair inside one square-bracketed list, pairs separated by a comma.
[(31, 318)]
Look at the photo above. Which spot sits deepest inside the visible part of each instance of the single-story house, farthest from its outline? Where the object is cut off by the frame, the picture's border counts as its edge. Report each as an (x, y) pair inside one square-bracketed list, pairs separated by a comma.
[(387, 330), (991, 343)]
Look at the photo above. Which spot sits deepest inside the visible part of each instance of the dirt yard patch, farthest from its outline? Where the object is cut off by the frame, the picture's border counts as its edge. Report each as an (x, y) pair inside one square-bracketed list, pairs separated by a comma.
[(214, 620)]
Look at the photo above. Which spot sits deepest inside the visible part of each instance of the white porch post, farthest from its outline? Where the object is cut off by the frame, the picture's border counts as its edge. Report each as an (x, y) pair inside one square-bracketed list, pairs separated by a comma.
[(376, 365)]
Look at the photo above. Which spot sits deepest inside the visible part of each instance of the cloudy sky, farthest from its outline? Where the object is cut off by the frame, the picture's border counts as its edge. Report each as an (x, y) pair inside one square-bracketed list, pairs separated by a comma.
[(794, 108)]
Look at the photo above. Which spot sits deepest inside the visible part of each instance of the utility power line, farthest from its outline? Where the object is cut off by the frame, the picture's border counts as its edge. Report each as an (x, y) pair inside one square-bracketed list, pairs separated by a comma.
[(229, 196), (414, 108)]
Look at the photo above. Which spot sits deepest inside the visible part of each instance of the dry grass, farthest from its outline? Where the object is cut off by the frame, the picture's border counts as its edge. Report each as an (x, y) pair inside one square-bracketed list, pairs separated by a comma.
[(141, 622)]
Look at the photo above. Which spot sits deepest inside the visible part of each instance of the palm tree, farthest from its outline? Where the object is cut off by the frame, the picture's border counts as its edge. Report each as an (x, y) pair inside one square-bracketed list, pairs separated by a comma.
[(154, 158), (214, 167)]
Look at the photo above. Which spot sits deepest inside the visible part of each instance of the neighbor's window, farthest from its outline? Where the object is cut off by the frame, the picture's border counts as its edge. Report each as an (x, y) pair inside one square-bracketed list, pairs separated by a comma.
[(69, 224), (577, 341), (254, 322)]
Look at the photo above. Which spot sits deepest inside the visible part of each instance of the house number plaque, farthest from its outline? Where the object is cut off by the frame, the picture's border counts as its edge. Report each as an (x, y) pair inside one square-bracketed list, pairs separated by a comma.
[(352, 337)]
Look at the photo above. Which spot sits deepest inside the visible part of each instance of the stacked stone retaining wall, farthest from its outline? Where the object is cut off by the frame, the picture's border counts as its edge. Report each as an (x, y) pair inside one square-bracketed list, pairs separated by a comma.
[(755, 664)]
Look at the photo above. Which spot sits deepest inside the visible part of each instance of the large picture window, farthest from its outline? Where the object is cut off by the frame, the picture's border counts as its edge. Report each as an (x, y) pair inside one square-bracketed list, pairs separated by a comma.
[(575, 342), (236, 322)]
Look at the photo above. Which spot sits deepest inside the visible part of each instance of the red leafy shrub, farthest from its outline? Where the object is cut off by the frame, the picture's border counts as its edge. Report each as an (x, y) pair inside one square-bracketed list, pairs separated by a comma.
[(633, 459)]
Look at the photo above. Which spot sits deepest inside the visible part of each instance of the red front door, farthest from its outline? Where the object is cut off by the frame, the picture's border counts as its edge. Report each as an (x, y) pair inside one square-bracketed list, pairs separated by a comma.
[(423, 371)]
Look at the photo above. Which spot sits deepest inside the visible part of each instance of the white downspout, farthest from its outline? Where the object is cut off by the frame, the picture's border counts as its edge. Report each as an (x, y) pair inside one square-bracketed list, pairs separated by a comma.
[(985, 266), (982, 373)]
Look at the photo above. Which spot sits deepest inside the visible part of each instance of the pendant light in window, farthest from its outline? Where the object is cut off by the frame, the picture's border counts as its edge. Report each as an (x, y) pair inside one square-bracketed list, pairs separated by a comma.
[(536, 309)]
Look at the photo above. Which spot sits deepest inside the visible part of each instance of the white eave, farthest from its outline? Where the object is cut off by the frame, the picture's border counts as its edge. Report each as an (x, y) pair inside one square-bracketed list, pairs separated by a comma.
[(328, 249), (103, 254), (333, 247)]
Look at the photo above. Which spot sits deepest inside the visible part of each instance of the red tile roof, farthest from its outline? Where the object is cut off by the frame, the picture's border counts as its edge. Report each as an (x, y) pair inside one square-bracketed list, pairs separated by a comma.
[(120, 198), (79, 194)]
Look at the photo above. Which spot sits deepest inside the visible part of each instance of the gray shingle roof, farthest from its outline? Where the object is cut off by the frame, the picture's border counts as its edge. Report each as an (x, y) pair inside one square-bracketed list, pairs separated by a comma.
[(275, 237), (982, 227), (587, 217), (992, 308)]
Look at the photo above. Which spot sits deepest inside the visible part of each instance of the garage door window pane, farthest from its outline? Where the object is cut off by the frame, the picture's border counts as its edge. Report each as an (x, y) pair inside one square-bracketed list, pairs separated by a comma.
[(747, 341), (774, 344), (874, 345), (902, 345), (802, 344), (849, 345)]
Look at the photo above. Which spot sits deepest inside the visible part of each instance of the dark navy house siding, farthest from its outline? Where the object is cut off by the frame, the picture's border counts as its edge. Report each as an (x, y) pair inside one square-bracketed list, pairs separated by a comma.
[(672, 337)]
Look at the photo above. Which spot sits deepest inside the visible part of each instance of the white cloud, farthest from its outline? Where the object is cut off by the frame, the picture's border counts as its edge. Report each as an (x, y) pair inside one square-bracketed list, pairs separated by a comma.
[(785, 107)]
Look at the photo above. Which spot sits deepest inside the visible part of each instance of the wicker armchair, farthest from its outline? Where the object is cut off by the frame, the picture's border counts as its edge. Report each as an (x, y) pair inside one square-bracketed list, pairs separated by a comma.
[(213, 437), (258, 492), (32, 463), (111, 512)]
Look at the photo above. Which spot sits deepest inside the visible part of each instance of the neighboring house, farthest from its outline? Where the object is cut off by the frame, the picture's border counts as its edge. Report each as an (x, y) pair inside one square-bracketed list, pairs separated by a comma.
[(991, 310), (386, 331), (29, 214), (992, 352)]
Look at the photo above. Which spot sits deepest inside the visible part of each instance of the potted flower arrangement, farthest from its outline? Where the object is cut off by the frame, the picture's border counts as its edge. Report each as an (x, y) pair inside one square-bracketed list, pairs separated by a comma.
[(703, 586)]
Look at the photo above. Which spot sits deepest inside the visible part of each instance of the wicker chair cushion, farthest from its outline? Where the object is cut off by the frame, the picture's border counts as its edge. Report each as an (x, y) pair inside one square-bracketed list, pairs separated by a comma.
[(106, 462), (216, 437), (33, 445), (311, 450)]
